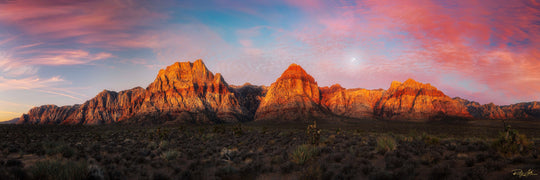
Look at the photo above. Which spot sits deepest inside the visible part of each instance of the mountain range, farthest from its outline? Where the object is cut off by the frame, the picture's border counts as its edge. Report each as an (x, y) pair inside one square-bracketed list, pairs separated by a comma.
[(187, 92)]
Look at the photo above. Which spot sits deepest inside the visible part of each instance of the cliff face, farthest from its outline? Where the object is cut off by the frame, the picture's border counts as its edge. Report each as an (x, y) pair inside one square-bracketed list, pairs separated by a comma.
[(47, 114), (355, 103), (294, 96), (193, 92), (183, 92), (412, 100), (188, 92), (108, 107)]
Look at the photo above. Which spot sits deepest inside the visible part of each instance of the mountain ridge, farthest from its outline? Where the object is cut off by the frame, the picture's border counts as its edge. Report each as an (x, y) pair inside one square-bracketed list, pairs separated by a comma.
[(187, 92)]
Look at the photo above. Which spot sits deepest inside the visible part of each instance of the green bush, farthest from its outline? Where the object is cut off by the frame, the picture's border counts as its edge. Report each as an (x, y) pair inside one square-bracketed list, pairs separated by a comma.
[(170, 155), (385, 143), (304, 153), (511, 142), (55, 169), (53, 148)]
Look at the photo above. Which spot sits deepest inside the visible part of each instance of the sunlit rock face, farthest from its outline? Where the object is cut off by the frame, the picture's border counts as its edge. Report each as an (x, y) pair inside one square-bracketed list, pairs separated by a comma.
[(416, 101), (108, 107), (294, 97), (355, 103), (47, 114), (193, 92), (183, 92)]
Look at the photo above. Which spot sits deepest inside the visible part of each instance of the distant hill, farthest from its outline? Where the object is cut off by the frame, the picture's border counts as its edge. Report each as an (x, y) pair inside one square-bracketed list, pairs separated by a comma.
[(13, 121)]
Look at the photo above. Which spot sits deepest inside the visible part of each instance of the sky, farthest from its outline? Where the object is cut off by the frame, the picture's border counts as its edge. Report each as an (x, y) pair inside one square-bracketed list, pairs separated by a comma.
[(65, 52)]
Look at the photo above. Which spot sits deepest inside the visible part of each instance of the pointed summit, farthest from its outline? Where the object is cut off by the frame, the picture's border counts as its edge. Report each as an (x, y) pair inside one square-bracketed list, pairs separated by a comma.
[(295, 71), (293, 97)]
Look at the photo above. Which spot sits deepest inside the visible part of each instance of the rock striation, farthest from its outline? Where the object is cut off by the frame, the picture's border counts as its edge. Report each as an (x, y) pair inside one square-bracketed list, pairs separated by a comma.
[(186, 92)]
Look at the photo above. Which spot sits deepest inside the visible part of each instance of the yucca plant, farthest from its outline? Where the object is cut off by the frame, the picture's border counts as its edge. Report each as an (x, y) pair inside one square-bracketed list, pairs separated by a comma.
[(385, 144), (303, 153)]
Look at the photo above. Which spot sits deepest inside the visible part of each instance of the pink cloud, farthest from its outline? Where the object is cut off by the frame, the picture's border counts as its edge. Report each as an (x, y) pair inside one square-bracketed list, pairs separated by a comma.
[(106, 22), (65, 57), (467, 38)]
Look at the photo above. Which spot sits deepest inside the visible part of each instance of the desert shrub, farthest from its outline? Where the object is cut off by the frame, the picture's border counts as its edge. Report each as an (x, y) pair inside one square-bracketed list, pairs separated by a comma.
[(170, 155), (304, 153), (95, 173), (440, 171), (219, 129), (160, 176), (381, 174), (478, 172), (511, 142), (229, 153), (469, 162), (492, 165), (385, 144), (55, 169), (152, 145), (67, 151), (313, 133), (237, 130), (52, 148), (392, 161), (163, 144), (14, 163)]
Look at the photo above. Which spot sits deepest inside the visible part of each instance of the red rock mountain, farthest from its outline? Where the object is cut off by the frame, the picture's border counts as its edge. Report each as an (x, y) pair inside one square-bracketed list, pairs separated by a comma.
[(183, 92), (412, 100), (294, 96), (188, 92)]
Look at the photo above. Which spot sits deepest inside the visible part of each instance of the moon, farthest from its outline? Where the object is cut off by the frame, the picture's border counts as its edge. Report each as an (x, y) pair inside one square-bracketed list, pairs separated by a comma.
[(353, 59)]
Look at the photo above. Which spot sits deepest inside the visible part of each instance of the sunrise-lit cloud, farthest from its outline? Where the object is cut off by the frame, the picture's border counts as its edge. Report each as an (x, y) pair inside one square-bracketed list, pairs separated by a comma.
[(491, 42)]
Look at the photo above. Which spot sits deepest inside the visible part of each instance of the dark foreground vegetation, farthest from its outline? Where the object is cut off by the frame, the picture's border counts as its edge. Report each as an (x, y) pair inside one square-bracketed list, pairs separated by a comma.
[(380, 150)]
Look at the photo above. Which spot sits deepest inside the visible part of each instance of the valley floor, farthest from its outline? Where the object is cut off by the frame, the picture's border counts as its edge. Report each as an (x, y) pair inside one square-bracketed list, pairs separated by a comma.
[(368, 150)]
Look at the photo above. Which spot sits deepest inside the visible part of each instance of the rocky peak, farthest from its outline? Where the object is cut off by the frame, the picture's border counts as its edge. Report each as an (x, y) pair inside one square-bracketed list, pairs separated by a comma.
[(413, 88), (395, 85), (417, 101), (296, 72), (187, 76), (292, 97)]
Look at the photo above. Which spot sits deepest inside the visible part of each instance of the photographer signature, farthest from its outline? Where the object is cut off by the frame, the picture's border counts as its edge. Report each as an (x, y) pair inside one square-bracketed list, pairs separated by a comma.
[(521, 173)]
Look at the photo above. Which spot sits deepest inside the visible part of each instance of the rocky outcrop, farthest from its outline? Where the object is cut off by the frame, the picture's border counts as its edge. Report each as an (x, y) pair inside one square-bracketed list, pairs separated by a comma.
[(521, 111), (416, 101), (294, 97), (355, 103), (48, 114)]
